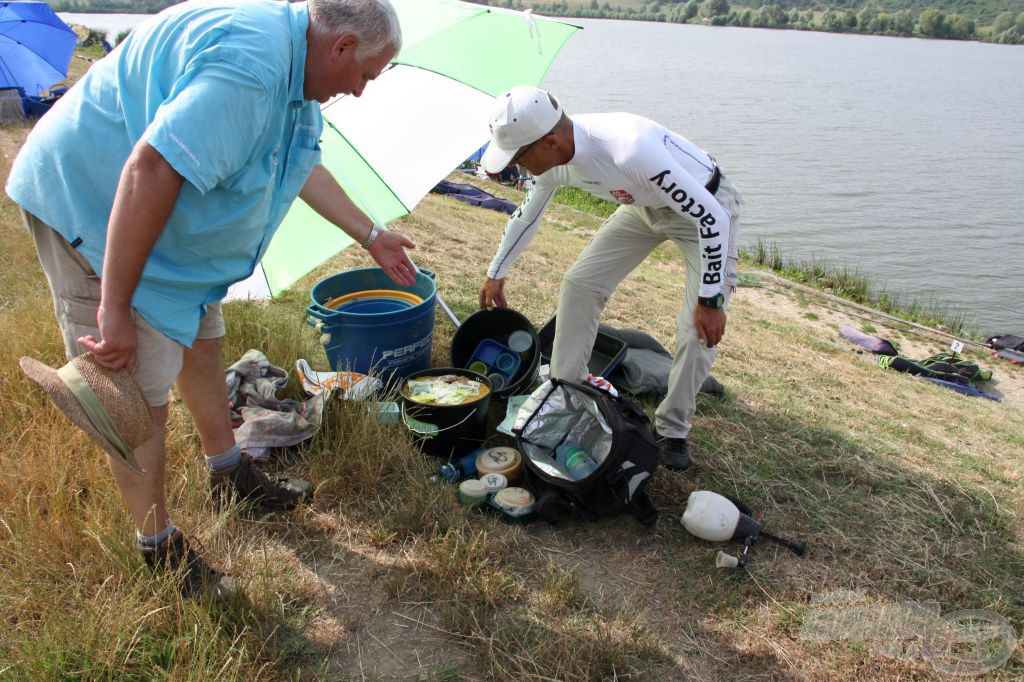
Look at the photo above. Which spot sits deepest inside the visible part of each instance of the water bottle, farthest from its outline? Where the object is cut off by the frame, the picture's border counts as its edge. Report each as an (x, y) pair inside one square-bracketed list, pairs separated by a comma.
[(448, 472), (574, 460), (459, 470)]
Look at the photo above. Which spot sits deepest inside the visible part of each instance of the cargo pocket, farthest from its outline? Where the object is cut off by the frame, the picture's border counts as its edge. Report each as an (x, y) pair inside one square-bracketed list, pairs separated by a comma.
[(77, 317)]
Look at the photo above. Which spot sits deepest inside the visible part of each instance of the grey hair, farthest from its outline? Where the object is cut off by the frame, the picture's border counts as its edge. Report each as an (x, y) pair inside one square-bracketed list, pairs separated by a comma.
[(373, 22)]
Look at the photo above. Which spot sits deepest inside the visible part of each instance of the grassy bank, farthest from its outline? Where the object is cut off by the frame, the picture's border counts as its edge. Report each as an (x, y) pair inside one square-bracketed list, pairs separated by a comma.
[(905, 493), (853, 285)]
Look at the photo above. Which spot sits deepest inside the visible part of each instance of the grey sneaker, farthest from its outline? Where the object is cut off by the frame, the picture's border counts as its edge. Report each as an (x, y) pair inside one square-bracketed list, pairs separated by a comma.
[(197, 578), (675, 453), (246, 482)]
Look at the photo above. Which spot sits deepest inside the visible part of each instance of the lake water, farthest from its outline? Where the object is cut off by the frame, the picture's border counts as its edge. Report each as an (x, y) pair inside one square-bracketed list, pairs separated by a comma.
[(901, 157), (111, 24)]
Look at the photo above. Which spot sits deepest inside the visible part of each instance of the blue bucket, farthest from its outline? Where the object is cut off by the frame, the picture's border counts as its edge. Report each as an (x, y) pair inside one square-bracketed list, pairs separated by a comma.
[(384, 336)]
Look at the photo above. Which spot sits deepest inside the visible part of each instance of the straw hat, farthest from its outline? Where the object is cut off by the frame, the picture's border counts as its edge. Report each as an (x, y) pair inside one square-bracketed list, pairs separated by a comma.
[(108, 405)]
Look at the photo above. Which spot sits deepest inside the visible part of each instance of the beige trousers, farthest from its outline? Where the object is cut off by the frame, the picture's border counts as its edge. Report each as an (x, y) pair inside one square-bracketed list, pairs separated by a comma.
[(622, 243), (76, 300)]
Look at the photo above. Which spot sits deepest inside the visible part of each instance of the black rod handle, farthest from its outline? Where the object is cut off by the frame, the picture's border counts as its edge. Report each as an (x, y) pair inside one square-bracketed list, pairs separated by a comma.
[(797, 548)]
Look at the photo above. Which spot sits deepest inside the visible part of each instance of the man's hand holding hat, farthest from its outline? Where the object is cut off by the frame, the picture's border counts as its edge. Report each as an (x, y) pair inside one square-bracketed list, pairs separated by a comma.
[(108, 405)]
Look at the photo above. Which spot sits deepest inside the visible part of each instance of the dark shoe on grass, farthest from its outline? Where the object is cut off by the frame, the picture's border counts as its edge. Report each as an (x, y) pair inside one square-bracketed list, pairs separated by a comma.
[(197, 578), (248, 483), (675, 454), (712, 386)]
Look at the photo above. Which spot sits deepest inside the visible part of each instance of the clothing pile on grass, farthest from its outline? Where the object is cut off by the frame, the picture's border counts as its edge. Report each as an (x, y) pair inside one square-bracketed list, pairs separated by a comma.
[(944, 369), (262, 421)]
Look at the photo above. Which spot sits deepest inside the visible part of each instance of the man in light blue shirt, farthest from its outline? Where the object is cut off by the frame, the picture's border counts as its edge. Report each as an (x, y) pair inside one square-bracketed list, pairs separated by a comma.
[(166, 170)]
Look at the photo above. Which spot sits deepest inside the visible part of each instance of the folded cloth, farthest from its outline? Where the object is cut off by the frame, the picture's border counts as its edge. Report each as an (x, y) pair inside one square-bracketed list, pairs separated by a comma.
[(261, 420)]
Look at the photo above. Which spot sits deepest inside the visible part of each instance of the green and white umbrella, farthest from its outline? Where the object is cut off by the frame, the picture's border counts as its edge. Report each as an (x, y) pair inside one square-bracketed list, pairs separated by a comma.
[(416, 122)]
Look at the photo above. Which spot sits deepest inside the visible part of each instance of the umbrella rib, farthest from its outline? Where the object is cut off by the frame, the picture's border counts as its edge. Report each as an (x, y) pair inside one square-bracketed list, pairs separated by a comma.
[(7, 72), (368, 164), (41, 57)]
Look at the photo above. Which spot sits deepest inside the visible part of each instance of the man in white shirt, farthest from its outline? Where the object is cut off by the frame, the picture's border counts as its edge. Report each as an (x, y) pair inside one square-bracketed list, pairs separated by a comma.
[(667, 188)]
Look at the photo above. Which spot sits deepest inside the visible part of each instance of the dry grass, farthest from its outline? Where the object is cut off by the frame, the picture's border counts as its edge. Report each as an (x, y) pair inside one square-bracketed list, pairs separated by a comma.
[(904, 492)]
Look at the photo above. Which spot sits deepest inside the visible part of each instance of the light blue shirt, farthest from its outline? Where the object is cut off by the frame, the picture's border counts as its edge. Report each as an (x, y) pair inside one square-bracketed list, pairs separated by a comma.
[(217, 89)]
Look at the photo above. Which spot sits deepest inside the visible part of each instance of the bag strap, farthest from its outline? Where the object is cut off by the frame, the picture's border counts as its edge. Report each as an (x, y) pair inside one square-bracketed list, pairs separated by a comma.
[(638, 504), (744, 509), (642, 509), (540, 404)]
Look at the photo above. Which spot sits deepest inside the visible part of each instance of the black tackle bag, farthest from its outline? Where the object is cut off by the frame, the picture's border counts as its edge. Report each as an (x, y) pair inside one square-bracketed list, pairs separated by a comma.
[(613, 431)]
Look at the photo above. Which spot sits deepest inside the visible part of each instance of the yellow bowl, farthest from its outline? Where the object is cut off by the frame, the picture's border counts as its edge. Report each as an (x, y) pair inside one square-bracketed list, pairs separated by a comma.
[(339, 301)]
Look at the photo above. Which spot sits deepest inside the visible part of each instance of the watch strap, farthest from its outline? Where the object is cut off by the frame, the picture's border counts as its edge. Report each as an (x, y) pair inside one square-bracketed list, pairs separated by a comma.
[(372, 237), (716, 301)]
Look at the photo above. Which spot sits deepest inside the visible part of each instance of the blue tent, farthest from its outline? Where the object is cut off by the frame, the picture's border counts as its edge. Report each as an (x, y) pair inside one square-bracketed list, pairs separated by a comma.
[(479, 153), (35, 46)]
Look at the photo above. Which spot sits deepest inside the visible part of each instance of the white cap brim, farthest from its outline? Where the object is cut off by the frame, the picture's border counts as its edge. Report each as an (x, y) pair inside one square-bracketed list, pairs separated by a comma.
[(495, 159)]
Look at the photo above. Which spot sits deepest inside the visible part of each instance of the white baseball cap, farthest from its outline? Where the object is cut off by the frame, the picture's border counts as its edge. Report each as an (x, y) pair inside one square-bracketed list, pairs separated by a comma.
[(521, 116)]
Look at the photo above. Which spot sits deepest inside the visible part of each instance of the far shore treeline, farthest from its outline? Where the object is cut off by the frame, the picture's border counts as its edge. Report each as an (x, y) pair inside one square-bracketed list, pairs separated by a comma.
[(998, 21)]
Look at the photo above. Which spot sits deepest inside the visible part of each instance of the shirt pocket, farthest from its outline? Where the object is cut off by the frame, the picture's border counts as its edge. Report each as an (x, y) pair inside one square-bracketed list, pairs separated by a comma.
[(300, 163), (303, 155)]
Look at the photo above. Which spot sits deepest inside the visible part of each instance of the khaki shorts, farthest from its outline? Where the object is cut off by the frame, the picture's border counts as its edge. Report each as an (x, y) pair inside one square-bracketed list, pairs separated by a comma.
[(76, 301)]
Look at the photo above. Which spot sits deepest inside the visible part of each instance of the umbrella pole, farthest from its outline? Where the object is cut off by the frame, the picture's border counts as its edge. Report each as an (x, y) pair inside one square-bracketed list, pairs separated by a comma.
[(440, 301), (448, 311)]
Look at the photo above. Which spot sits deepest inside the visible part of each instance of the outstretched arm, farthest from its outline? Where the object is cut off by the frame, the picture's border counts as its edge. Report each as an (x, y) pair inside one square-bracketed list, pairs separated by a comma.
[(323, 193), (519, 232), (521, 228)]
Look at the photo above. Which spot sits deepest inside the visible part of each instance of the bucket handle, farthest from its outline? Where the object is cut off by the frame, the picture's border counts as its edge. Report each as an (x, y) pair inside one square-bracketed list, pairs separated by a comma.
[(320, 312), (431, 434)]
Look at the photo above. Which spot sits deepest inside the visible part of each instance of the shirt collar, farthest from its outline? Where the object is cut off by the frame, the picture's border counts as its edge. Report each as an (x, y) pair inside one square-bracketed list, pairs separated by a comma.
[(581, 143), (298, 18)]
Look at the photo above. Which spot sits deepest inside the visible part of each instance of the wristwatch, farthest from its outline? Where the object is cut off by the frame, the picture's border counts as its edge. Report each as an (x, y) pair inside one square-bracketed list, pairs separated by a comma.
[(716, 301), (371, 238)]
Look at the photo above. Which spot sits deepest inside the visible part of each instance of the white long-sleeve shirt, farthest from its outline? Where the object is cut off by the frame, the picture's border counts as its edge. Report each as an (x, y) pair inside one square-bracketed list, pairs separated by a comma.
[(631, 160)]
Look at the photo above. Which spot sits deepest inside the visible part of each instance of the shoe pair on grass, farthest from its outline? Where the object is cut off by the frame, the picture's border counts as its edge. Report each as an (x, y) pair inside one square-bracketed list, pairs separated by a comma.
[(246, 483)]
